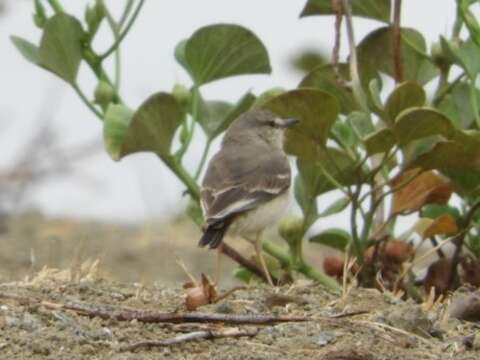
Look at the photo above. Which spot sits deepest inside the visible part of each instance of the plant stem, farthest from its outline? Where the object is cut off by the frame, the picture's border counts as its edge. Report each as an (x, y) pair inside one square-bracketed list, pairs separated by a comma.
[(446, 89), (195, 100), (86, 102), (56, 6), (126, 12), (397, 41), (182, 174), (354, 74), (459, 241), (124, 32), (353, 226), (203, 159), (338, 29), (281, 255), (321, 278), (115, 31)]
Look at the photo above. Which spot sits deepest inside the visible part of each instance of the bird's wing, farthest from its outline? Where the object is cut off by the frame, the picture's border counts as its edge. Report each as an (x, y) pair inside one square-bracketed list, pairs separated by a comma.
[(241, 180)]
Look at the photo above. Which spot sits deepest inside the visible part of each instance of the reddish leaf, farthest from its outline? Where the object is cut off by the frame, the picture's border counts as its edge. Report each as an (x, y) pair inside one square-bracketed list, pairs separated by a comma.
[(416, 189), (443, 225)]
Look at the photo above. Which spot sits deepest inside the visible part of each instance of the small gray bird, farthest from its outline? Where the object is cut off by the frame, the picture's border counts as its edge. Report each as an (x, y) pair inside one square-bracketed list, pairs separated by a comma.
[(246, 186)]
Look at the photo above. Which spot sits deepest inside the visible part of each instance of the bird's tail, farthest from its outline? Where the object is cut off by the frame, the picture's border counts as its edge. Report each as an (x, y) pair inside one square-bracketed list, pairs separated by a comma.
[(213, 234)]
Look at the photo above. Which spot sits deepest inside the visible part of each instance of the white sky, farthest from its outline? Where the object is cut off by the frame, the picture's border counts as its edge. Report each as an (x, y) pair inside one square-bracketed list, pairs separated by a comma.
[(140, 187)]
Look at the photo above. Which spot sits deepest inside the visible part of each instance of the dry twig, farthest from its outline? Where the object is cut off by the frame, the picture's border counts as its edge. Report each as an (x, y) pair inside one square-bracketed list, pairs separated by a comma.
[(196, 335), (146, 316)]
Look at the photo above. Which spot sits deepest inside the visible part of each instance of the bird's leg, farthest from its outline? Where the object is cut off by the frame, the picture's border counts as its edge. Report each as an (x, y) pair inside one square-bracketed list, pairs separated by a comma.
[(218, 266), (258, 250)]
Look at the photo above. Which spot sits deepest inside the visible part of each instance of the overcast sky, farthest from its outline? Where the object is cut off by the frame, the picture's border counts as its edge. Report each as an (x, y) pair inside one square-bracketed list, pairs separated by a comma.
[(140, 187)]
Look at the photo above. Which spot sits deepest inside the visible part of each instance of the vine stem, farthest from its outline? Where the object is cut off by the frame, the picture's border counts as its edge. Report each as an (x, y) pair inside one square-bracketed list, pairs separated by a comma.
[(87, 102), (124, 32), (397, 41), (56, 6), (354, 74), (116, 34), (203, 159)]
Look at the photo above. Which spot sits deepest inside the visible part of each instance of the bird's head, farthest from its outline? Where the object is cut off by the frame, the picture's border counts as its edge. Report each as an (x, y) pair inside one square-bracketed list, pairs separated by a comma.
[(259, 124)]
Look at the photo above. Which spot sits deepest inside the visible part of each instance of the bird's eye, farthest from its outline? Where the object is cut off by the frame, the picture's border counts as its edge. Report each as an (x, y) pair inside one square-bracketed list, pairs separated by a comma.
[(271, 123)]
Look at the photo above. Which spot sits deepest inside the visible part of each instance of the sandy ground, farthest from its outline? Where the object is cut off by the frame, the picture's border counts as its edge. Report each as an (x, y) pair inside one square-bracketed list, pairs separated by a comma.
[(116, 267), (389, 329)]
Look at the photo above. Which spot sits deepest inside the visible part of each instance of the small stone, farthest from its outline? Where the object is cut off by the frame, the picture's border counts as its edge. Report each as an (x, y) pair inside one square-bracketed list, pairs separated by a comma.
[(324, 338), (224, 308), (40, 348)]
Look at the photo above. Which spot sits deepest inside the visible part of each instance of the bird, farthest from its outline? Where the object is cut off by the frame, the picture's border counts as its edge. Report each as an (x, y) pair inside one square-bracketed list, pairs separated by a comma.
[(246, 187)]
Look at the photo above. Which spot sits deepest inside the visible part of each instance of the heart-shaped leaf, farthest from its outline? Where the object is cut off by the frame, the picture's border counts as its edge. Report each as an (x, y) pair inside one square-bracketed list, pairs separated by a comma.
[(326, 79), (361, 122), (343, 131), (218, 51), (457, 105), (416, 189), (373, 9), (61, 46), (337, 206), (375, 54), (417, 123), (153, 126), (303, 185), (465, 55), (316, 110), (211, 115), (26, 48), (406, 95), (330, 163), (380, 141), (334, 238), (243, 105), (443, 225), (434, 211), (115, 129)]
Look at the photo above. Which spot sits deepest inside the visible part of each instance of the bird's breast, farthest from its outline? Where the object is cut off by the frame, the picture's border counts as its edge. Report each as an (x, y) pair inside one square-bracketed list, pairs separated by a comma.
[(261, 217)]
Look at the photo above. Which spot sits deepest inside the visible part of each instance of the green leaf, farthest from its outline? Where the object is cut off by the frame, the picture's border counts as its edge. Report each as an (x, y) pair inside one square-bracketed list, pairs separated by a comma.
[(115, 129), (361, 122), (316, 110), (305, 199), (243, 274), (243, 105), (417, 123), (61, 46), (216, 116), (375, 89), (434, 211), (375, 54), (458, 106), (211, 115), (324, 78), (406, 95), (335, 238), (180, 54), (344, 133), (223, 50), (333, 162), (266, 96), (449, 155), (465, 55), (153, 126), (338, 206), (26, 48), (380, 141), (373, 9)]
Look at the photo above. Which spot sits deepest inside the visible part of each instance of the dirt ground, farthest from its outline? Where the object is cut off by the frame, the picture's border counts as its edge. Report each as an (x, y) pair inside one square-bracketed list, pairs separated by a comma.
[(389, 329), (113, 268)]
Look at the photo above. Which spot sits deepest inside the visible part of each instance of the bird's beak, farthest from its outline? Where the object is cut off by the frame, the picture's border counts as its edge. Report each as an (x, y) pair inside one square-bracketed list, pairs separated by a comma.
[(287, 123)]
